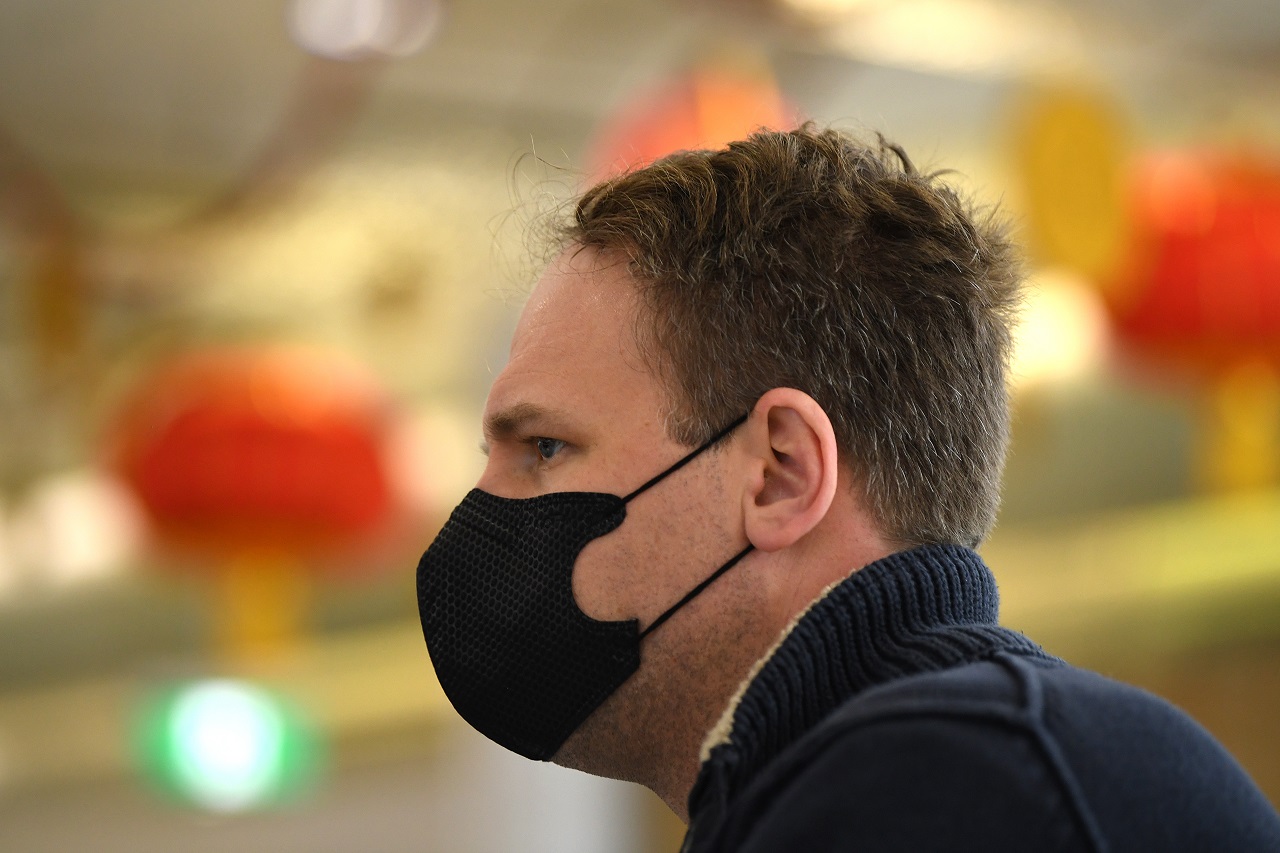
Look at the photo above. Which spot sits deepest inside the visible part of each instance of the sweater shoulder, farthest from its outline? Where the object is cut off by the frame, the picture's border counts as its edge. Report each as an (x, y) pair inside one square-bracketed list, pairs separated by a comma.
[(1001, 751), (936, 761)]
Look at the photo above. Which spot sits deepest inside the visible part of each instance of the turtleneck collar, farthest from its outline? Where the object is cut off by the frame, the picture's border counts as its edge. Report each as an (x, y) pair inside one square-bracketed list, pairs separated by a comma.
[(915, 611)]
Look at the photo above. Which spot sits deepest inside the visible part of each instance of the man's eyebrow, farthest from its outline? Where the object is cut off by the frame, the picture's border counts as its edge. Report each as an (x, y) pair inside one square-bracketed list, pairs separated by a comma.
[(515, 418)]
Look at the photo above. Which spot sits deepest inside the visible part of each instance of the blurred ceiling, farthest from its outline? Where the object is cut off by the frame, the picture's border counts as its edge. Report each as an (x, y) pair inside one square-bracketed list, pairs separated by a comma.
[(193, 88)]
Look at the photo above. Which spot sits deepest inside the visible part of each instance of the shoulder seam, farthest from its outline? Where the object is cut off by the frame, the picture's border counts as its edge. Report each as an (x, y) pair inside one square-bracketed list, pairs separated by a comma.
[(1033, 693)]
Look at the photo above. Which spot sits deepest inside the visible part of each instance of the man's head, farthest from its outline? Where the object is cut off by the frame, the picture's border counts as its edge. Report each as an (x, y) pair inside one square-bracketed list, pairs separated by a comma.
[(857, 316), (576, 410), (807, 260)]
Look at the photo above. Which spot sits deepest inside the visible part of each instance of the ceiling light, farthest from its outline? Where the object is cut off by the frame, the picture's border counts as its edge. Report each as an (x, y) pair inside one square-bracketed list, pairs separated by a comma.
[(363, 29), (958, 36), (823, 11)]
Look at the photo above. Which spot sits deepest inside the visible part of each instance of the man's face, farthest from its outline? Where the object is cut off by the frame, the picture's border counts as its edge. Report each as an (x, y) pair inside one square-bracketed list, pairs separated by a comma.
[(577, 409)]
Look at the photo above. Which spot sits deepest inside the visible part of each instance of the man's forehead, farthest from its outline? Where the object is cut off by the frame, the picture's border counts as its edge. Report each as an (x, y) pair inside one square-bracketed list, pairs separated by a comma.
[(585, 301), (575, 337), (579, 284)]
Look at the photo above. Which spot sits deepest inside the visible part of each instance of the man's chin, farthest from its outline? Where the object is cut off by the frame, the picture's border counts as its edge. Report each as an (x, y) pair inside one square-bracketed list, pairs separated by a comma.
[(610, 742), (593, 749)]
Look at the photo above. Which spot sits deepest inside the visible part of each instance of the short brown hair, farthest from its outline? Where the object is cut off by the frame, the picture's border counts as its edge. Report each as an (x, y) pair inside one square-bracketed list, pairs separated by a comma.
[(806, 259)]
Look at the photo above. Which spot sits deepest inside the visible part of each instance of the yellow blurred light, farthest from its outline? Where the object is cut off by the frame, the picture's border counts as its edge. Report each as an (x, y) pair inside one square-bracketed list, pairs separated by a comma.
[(1242, 432), (1071, 146)]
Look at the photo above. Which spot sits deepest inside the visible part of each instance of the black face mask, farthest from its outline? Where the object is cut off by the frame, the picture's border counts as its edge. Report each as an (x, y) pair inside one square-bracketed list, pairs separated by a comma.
[(516, 657)]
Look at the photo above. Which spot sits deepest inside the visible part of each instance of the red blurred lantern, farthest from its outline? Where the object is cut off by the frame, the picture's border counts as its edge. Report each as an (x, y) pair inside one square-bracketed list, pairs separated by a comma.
[(1202, 287), (257, 450), (260, 458), (1202, 291), (707, 108)]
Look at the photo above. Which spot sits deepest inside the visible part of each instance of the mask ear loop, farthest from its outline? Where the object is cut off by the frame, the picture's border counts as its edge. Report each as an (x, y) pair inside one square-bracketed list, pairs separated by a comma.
[(687, 459), (693, 593)]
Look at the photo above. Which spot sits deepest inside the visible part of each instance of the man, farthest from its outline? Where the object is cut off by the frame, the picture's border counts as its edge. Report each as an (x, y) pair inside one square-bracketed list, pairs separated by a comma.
[(752, 425)]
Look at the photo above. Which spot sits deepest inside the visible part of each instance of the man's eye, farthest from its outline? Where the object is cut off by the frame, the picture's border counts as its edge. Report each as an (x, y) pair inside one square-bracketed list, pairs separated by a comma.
[(548, 447)]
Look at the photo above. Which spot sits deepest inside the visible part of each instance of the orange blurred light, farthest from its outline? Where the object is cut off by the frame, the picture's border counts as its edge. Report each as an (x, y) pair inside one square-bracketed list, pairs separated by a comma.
[(706, 108)]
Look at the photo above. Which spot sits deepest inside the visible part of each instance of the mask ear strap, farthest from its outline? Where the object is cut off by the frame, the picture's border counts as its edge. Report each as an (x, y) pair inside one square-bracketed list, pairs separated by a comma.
[(689, 458), (693, 593)]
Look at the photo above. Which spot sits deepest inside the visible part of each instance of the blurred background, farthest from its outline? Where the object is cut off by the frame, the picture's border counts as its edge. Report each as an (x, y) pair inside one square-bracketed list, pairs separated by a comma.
[(260, 260)]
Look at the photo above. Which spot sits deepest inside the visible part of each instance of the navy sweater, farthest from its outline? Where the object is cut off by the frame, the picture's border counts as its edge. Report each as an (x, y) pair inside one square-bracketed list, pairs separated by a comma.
[(897, 715)]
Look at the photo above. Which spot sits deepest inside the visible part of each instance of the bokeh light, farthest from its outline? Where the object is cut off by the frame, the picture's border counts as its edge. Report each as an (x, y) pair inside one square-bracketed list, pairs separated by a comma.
[(362, 29), (226, 745), (1062, 334)]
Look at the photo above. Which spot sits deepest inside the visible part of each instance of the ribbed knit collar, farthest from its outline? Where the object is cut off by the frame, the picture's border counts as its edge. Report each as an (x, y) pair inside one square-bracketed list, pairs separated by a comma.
[(916, 611)]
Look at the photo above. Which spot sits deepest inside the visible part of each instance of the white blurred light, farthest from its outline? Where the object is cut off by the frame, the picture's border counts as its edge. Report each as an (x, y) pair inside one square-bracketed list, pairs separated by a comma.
[(434, 458), (363, 29), (1063, 332), (959, 36), (821, 11), (232, 737), (75, 527)]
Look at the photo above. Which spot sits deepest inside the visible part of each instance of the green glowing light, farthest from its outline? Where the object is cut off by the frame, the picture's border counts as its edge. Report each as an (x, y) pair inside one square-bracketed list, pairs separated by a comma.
[(226, 746)]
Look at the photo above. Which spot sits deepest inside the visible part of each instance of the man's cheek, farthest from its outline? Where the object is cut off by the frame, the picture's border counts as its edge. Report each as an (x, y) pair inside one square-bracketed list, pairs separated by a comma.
[(603, 578)]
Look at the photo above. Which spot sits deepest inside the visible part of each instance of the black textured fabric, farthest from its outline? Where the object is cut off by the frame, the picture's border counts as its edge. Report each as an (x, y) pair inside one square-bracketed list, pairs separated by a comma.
[(897, 715), (526, 681)]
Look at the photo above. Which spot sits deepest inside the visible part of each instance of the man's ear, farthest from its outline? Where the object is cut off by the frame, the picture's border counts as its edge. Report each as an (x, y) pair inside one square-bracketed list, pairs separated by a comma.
[(793, 454)]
